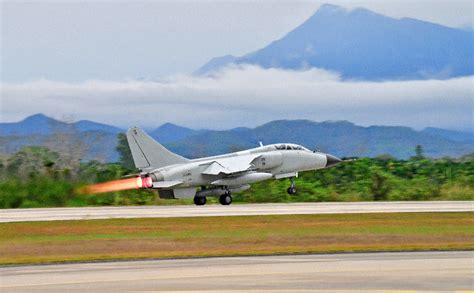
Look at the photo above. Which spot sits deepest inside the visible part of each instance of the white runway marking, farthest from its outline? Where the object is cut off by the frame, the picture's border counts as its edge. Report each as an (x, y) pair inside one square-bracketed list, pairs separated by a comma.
[(55, 214)]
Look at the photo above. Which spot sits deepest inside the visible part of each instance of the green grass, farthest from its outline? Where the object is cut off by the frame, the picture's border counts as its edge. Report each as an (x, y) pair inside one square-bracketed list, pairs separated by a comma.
[(58, 241)]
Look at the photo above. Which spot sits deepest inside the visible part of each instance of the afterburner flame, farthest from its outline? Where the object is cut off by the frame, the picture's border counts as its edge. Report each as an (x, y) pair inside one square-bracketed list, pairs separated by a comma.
[(116, 185)]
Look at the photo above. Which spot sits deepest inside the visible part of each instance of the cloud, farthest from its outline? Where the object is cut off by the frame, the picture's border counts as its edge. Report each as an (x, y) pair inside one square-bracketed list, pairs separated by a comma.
[(246, 96)]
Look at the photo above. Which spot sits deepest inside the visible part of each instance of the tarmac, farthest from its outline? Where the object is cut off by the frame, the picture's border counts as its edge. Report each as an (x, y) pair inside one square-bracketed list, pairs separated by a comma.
[(440, 271)]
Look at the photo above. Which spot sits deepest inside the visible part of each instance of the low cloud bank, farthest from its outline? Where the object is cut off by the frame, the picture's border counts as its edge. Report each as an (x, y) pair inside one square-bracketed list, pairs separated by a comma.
[(246, 96)]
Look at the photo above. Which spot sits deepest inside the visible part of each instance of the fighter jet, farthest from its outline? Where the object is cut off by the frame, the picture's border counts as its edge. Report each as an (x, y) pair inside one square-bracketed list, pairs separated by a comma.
[(177, 177)]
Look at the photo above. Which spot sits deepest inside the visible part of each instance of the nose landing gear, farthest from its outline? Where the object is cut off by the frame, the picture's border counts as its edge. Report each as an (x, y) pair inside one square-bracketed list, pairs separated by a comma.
[(292, 189)]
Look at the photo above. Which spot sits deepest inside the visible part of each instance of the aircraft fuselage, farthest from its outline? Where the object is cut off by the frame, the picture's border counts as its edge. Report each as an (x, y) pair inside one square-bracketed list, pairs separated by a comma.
[(178, 177)]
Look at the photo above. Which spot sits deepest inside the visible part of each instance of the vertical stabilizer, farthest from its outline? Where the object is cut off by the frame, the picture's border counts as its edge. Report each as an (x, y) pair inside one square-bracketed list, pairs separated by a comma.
[(148, 153)]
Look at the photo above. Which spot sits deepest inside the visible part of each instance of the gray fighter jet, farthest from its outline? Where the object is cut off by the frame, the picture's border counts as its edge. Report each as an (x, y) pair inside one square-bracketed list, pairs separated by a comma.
[(177, 177)]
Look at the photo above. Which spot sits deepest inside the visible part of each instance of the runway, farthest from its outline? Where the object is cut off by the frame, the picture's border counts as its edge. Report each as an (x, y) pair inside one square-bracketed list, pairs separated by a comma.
[(55, 214), (365, 271)]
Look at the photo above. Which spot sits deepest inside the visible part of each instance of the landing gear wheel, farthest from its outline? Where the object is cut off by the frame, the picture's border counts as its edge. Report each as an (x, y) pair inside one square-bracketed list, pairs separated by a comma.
[(291, 190), (200, 200), (225, 199)]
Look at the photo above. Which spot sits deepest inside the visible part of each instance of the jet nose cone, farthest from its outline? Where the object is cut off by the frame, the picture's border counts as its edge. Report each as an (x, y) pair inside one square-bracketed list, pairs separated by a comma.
[(332, 160)]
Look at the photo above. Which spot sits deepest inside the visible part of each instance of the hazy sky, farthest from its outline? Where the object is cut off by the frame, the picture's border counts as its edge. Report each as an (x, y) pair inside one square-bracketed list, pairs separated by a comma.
[(86, 60)]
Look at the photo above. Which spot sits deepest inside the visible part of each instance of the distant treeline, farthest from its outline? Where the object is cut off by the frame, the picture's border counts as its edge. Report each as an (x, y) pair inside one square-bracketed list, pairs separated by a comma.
[(39, 177), (382, 178)]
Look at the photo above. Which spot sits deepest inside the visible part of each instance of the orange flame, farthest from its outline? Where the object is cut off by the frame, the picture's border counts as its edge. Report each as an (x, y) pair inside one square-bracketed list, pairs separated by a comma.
[(116, 185)]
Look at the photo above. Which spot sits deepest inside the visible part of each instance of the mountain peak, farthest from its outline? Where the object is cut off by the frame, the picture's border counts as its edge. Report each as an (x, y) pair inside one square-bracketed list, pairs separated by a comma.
[(365, 11), (171, 132), (87, 125), (325, 11), (331, 9), (364, 45), (326, 7), (169, 126), (30, 125), (37, 118), (43, 125), (330, 17)]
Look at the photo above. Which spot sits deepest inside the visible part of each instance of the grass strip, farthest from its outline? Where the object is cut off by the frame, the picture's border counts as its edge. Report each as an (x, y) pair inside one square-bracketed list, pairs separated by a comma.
[(115, 239)]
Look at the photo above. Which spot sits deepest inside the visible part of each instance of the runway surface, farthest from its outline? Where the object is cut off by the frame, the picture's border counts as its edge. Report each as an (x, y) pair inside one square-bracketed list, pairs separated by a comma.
[(54, 214), (365, 271)]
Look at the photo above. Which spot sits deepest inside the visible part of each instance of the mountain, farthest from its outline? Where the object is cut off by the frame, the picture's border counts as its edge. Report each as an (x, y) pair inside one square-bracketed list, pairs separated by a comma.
[(341, 138), (86, 125), (170, 132), (30, 125), (98, 140), (452, 135), (215, 63), (40, 124), (361, 44)]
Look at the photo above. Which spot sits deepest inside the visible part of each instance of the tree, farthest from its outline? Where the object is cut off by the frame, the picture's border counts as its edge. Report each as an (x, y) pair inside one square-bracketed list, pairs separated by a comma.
[(386, 157), (33, 161), (419, 153), (67, 140), (125, 155), (380, 185)]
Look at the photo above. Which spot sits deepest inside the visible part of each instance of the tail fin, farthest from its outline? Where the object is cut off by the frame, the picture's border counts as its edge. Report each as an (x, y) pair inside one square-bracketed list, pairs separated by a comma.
[(148, 153)]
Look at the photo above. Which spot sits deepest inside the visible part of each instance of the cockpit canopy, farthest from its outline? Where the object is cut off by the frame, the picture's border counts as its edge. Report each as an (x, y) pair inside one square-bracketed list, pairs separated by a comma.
[(281, 147), (290, 147)]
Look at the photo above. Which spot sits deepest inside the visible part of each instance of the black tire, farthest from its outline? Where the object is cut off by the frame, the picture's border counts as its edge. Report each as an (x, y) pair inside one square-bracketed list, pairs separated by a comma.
[(200, 200), (291, 190), (225, 199)]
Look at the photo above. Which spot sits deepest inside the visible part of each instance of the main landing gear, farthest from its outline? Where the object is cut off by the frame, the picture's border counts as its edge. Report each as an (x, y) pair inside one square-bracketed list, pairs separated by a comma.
[(226, 198), (200, 200), (292, 188)]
